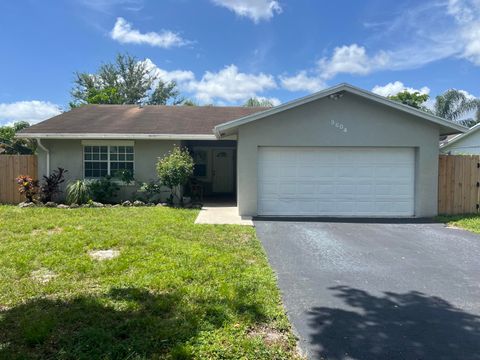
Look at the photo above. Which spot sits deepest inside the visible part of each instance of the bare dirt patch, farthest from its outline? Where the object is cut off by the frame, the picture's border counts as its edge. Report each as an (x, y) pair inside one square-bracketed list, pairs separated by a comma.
[(53, 231), (43, 275), (270, 336), (102, 255)]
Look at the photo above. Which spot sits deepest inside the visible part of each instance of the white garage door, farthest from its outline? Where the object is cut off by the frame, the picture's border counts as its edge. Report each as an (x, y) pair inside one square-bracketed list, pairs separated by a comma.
[(306, 181)]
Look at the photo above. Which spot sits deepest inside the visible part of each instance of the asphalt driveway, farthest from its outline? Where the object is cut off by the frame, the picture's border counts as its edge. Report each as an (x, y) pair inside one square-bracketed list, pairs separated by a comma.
[(378, 290)]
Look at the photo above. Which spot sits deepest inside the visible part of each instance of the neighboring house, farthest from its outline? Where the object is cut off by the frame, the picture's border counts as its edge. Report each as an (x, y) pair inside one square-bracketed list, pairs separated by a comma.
[(343, 151), (463, 144)]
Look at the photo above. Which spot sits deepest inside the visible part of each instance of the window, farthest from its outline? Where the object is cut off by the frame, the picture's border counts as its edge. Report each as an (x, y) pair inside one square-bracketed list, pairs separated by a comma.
[(100, 161), (200, 160)]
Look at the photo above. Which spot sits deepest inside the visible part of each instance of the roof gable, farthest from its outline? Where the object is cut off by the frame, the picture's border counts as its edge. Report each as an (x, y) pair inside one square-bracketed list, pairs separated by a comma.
[(456, 139), (446, 126)]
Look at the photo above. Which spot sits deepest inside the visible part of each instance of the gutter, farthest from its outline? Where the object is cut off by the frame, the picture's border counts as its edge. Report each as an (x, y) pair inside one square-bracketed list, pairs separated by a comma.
[(39, 141)]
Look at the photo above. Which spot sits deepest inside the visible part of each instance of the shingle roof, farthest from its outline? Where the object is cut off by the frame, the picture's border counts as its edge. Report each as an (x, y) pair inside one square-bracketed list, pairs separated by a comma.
[(150, 119)]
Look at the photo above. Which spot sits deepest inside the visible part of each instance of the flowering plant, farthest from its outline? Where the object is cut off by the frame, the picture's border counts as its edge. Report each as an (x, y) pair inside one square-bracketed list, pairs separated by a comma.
[(27, 187)]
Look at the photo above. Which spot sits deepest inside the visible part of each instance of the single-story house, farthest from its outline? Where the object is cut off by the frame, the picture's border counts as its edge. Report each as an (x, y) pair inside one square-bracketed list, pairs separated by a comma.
[(342, 151), (467, 143)]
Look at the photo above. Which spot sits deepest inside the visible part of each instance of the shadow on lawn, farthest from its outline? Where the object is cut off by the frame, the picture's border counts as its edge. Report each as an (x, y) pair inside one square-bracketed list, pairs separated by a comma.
[(394, 326), (88, 328)]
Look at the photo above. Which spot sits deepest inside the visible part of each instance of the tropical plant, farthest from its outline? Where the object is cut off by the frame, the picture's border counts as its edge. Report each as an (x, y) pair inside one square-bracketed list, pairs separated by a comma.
[(255, 102), (454, 104), (28, 187), (51, 184), (125, 176), (413, 99), (103, 190), (10, 145), (78, 192), (125, 81), (175, 169)]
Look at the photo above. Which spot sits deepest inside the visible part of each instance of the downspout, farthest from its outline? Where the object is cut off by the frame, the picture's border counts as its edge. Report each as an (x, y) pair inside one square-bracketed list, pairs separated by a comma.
[(39, 141)]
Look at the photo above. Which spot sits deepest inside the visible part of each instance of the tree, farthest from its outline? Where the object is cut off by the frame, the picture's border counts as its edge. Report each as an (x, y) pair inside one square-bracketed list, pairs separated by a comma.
[(413, 99), (11, 145), (189, 102), (454, 104), (165, 91), (125, 81), (175, 169), (255, 102)]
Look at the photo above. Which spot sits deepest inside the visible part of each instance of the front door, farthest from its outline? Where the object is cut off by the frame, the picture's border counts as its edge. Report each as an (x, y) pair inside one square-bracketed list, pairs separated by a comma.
[(222, 171)]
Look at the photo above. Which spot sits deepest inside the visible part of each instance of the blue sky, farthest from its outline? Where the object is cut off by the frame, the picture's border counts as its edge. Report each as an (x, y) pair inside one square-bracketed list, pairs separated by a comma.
[(225, 51)]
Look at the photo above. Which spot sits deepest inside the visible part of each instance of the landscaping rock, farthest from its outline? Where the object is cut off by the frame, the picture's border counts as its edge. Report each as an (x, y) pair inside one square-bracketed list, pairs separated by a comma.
[(138, 203), (26, 204), (63, 206), (51, 204), (127, 203), (104, 254), (97, 204), (74, 206), (150, 204), (116, 205)]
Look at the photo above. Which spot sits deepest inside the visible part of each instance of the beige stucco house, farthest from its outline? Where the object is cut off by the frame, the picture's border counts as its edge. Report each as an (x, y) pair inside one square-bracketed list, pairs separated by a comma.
[(343, 151)]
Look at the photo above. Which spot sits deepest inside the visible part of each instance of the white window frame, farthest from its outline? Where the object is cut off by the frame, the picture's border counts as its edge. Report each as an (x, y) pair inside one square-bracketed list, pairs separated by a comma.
[(108, 144)]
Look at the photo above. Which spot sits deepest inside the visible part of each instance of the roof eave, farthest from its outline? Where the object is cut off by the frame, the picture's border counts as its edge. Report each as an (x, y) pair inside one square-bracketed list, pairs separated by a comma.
[(99, 136)]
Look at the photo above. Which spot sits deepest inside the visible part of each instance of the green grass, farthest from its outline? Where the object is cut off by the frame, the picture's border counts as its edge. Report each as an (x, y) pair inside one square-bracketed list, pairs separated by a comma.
[(467, 222), (176, 291)]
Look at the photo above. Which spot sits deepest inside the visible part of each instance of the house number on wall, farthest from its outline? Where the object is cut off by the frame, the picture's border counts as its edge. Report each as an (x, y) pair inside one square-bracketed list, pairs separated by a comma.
[(338, 125)]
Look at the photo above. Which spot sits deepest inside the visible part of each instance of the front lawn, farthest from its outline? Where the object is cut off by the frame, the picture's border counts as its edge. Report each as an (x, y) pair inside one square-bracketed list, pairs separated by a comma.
[(175, 290), (467, 222)]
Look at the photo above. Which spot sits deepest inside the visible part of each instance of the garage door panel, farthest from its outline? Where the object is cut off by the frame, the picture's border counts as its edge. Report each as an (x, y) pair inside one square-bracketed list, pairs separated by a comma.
[(336, 181)]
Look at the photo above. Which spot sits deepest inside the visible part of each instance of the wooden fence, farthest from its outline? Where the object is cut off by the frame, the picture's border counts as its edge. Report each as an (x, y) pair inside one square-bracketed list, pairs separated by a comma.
[(458, 184), (10, 167)]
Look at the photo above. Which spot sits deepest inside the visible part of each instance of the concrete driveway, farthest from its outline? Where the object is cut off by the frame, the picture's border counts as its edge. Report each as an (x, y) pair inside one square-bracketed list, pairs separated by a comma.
[(378, 290)]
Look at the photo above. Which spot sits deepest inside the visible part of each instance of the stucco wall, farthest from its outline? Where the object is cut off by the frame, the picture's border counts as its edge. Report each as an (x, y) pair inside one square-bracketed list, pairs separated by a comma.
[(69, 155), (367, 123), (467, 145)]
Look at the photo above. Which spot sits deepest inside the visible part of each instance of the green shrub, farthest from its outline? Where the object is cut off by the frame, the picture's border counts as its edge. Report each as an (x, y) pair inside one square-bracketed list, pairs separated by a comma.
[(78, 192), (175, 169), (103, 190), (126, 176), (150, 192)]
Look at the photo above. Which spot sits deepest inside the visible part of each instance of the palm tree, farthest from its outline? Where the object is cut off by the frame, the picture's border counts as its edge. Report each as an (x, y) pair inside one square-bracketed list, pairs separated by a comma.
[(453, 104)]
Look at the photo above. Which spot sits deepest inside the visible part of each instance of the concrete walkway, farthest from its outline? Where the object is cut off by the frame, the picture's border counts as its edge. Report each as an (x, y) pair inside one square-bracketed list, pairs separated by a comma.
[(221, 214)]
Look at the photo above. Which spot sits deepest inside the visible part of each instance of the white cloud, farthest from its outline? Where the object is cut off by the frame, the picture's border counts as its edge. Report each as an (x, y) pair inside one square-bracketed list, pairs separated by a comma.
[(302, 82), (179, 76), (254, 9), (352, 59), (124, 33), (230, 85), (31, 111), (467, 16), (393, 88), (227, 86), (414, 37)]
